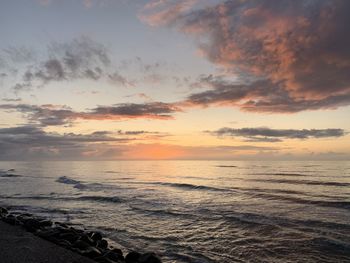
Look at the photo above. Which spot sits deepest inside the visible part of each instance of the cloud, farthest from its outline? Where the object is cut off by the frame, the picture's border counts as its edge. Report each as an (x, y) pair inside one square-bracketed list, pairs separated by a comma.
[(150, 110), (117, 79), (165, 12), (19, 54), (31, 142), (276, 135), (81, 58), (291, 55), (53, 115), (46, 115), (85, 3), (257, 96), (11, 99)]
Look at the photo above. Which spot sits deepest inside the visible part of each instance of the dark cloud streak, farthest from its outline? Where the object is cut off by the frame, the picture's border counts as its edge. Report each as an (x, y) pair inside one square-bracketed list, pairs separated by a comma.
[(53, 115), (276, 135)]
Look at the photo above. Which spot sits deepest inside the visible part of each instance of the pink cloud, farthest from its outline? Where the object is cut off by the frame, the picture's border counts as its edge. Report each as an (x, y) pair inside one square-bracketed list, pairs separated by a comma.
[(301, 49)]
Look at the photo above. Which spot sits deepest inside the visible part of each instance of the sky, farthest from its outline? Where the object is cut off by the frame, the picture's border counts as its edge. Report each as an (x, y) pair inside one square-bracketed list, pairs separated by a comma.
[(174, 79)]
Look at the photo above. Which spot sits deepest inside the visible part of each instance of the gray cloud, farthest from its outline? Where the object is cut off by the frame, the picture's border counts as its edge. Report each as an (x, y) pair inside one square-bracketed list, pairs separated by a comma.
[(46, 115), (258, 96), (51, 115), (11, 99), (119, 80), (151, 110), (276, 135), (13, 55), (81, 58), (32, 142)]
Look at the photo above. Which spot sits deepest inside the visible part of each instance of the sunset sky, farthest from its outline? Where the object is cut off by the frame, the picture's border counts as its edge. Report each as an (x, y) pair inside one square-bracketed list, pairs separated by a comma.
[(174, 79)]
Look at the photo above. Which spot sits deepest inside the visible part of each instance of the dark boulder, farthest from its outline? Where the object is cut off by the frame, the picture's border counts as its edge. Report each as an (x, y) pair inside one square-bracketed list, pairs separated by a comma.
[(3, 211), (10, 219), (81, 244), (91, 252), (45, 223), (102, 244), (87, 239), (71, 237), (31, 224), (149, 258), (132, 257), (115, 255), (96, 236)]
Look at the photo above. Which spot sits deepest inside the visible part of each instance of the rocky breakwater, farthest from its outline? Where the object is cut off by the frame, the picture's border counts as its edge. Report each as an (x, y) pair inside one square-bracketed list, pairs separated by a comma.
[(90, 244)]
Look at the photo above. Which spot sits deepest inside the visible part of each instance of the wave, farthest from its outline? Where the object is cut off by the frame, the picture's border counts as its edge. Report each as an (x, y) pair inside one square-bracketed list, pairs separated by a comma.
[(191, 186), (77, 184), (108, 199), (67, 180), (8, 173), (284, 174), (307, 182), (96, 198), (161, 212), (322, 203), (287, 174), (227, 166)]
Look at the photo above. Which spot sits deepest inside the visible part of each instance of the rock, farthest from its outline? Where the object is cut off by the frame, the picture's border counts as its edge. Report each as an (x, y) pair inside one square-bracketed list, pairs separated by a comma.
[(10, 219), (149, 258), (81, 244), (91, 252), (103, 259), (132, 257), (31, 225), (64, 243), (44, 223), (102, 244), (3, 211), (27, 215), (96, 236), (87, 239), (61, 224), (115, 255), (71, 237), (46, 233)]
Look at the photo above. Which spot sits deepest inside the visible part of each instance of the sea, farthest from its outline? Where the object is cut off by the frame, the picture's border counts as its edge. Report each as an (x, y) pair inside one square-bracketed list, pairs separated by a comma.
[(195, 211)]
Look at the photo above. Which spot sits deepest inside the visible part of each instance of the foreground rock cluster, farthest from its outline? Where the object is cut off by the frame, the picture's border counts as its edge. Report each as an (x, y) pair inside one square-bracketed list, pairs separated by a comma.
[(89, 244)]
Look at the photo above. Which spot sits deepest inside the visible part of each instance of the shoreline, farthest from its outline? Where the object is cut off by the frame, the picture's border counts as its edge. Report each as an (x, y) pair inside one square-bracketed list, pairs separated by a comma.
[(27, 238)]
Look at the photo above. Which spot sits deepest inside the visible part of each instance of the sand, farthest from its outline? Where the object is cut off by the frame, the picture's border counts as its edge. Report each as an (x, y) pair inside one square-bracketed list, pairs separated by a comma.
[(19, 246)]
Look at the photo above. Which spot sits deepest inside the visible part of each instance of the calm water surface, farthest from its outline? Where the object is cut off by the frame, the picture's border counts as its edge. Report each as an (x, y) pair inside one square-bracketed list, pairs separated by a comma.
[(196, 211)]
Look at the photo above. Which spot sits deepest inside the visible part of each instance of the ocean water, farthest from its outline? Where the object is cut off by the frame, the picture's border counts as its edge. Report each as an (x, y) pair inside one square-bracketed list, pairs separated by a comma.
[(195, 211)]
